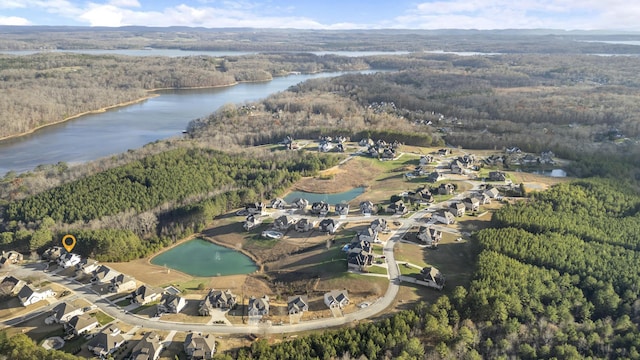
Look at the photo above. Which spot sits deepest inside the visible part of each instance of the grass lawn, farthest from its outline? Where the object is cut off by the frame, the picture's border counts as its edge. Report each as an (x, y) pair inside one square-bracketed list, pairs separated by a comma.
[(145, 307), (124, 302), (102, 318), (377, 270), (409, 271), (74, 345)]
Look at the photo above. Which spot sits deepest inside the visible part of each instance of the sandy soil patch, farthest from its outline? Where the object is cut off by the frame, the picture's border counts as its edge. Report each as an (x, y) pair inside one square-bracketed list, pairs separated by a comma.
[(354, 173)]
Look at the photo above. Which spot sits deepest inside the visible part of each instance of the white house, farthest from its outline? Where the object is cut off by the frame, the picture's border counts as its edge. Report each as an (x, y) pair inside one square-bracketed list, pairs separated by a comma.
[(28, 295), (444, 217), (171, 304), (336, 299), (68, 260)]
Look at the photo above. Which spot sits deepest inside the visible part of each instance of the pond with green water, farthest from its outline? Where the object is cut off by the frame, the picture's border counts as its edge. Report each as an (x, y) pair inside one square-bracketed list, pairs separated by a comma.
[(199, 257)]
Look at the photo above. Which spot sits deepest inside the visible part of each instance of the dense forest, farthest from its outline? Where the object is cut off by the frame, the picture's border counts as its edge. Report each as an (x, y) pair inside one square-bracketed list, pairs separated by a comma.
[(21, 347), (129, 211)]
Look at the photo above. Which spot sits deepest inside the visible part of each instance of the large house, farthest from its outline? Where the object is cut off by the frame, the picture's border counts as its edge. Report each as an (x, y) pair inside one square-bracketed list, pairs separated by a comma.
[(320, 208), (397, 208), (63, 312), (106, 342), (342, 209), (122, 283), (429, 235), (433, 277), (148, 348), (497, 176), (103, 275), (251, 222), (457, 208), (471, 203), (444, 217), (278, 203), (29, 295), (446, 189), (300, 204), (304, 225), (297, 304), (367, 208), (284, 222), (255, 208), (53, 253), (368, 235), (258, 306), (336, 299), (378, 225), (172, 304), (67, 260), (492, 192), (329, 225), (11, 285), (10, 257), (81, 324), (199, 347), (145, 294), (217, 299), (86, 266)]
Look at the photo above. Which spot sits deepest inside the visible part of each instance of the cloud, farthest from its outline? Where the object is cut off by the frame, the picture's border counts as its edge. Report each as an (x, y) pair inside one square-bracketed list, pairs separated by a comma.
[(13, 20), (125, 3), (507, 14)]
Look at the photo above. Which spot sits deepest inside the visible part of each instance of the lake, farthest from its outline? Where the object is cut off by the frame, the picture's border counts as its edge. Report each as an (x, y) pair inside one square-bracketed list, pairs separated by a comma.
[(117, 130), (328, 198), (199, 257)]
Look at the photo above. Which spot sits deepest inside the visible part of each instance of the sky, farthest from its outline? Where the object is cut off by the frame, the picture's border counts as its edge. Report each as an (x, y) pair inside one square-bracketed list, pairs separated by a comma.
[(330, 14)]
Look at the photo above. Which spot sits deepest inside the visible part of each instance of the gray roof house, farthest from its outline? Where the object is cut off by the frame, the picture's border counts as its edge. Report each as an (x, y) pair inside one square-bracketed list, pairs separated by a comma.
[(367, 207), (217, 299), (11, 285), (171, 304), (81, 324), (457, 208), (122, 283), (342, 209), (304, 225), (28, 295), (145, 294), (336, 299), (148, 348), (329, 225), (103, 275), (429, 235), (378, 225), (297, 304), (471, 203), (284, 222), (320, 208), (258, 306), (106, 341), (63, 312), (199, 347)]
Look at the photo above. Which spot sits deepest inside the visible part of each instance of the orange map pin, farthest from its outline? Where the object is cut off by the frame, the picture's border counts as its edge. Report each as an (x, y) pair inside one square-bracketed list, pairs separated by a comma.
[(69, 242)]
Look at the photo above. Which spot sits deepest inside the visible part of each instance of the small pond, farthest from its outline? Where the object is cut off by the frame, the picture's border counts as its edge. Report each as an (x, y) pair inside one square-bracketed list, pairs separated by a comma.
[(328, 198), (199, 257)]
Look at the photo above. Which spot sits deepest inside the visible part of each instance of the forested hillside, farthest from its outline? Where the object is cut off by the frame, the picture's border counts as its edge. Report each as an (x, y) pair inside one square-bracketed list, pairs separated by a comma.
[(129, 211)]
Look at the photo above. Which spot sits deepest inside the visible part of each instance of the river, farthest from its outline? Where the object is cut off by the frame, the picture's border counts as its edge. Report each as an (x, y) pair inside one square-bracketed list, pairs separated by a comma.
[(93, 136)]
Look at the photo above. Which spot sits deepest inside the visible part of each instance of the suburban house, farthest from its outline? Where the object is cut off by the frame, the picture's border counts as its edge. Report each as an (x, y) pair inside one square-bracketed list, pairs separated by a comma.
[(258, 306), (284, 222), (368, 235), (10, 257), (171, 304), (122, 283), (217, 299), (444, 217), (457, 167), (29, 295), (199, 347), (433, 277), (359, 260), (300, 204), (81, 324), (492, 192), (297, 304), (378, 225), (320, 208), (529, 159), (148, 348), (63, 312), (329, 225), (11, 285), (421, 196), (324, 146), (278, 203), (471, 203), (366, 142), (342, 209), (426, 159), (457, 208), (106, 342), (103, 275), (255, 208), (397, 208), (53, 253), (367, 208), (434, 176), (336, 299), (251, 222), (446, 189), (86, 266), (304, 225), (67, 260), (483, 199), (443, 152), (497, 176), (429, 235), (145, 294)]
